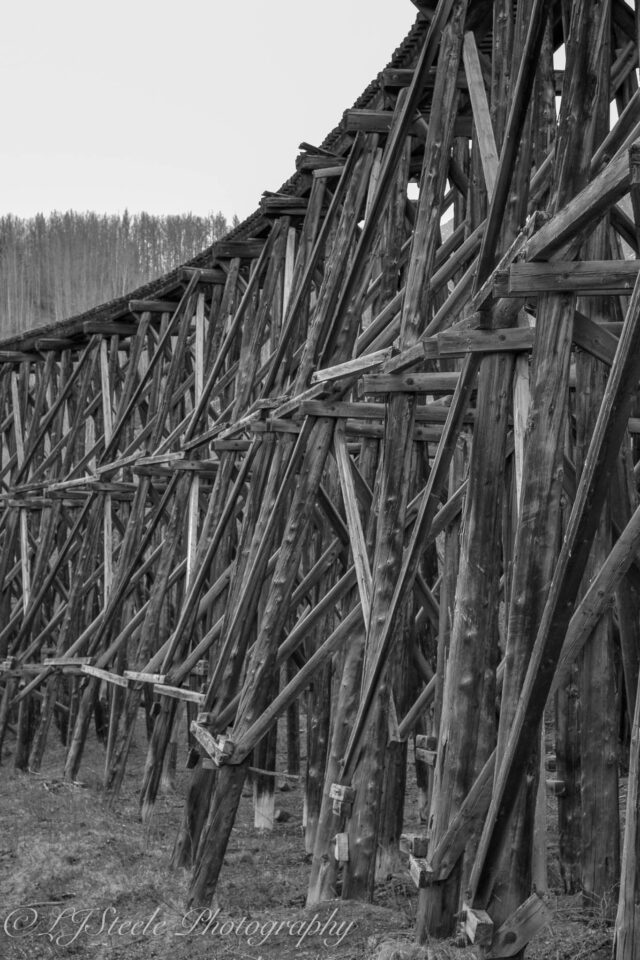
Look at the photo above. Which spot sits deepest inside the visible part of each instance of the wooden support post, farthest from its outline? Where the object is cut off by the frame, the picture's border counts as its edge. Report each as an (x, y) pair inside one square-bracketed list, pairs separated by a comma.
[(627, 597), (512, 136), (466, 735), (481, 115), (396, 470), (322, 879), (194, 492), (627, 924), (358, 546), (264, 758), (599, 720), (603, 451), (392, 802), (506, 881), (318, 726), (25, 549)]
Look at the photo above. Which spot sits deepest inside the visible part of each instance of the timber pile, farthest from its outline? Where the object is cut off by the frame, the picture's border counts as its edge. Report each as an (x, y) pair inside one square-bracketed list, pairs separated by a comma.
[(342, 461)]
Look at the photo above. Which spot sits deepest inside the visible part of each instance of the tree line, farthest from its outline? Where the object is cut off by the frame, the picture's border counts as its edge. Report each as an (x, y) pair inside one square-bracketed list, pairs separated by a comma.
[(56, 266)]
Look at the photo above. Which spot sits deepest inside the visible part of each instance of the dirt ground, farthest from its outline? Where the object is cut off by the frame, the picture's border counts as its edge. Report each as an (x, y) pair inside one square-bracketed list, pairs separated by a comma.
[(80, 879)]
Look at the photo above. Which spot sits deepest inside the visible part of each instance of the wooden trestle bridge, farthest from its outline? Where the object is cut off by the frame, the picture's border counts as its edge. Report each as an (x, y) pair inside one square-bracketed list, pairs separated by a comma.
[(397, 461)]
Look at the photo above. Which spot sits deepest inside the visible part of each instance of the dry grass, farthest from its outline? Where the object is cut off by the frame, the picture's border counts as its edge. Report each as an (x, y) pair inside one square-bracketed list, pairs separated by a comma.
[(62, 849)]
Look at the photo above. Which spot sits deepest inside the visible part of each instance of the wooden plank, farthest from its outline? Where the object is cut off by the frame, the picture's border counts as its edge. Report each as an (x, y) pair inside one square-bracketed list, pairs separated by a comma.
[(289, 267), (152, 306), (627, 932), (587, 277), (634, 192), (537, 15), (179, 693), (219, 749), (66, 661), (425, 413), (18, 434), (481, 114), (516, 932), (354, 523), (157, 458), (233, 445), (341, 849), (212, 275), (478, 925), (420, 871), (54, 343), (464, 825), (109, 328), (310, 162), (275, 425), (283, 206), (243, 249), (107, 426), (17, 356), (141, 677), (394, 78), (359, 365), (416, 844), (410, 383), (116, 465), (323, 172), (194, 490), (101, 674), (594, 338), (379, 121), (589, 204), (457, 343), (342, 792)]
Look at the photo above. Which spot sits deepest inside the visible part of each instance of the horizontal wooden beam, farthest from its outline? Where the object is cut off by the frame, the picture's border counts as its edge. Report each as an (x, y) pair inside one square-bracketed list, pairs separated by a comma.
[(379, 121), (212, 275), (359, 365), (456, 343), (100, 674), (139, 677), (17, 356), (55, 343), (152, 306), (587, 277), (179, 693), (410, 382), (281, 206), (394, 78), (242, 249), (425, 413), (109, 328), (308, 162)]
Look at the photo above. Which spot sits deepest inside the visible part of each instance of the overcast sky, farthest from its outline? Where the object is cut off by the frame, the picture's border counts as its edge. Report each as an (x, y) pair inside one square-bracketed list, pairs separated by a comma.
[(168, 107)]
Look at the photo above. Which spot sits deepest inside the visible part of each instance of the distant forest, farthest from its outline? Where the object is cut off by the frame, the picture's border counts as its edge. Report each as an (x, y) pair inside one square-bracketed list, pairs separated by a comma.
[(56, 266)]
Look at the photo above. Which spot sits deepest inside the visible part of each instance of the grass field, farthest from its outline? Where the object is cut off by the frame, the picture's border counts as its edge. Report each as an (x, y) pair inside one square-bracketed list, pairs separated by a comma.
[(80, 879)]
